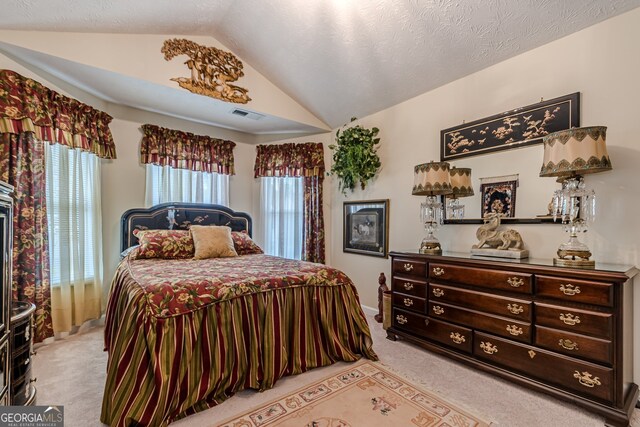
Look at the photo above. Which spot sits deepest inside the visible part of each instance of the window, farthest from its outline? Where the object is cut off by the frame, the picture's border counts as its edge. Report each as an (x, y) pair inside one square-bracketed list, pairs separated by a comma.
[(282, 208), (74, 215), (167, 184)]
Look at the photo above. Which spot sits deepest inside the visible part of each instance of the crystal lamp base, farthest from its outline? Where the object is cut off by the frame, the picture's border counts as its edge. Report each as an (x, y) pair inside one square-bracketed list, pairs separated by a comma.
[(574, 254), (431, 246)]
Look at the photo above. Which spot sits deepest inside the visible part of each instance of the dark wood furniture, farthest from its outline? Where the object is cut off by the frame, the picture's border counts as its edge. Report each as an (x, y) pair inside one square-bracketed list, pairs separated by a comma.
[(563, 331), (23, 392), (6, 245)]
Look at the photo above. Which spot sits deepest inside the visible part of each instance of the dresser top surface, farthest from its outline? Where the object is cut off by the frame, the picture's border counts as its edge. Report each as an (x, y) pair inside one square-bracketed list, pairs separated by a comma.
[(628, 270)]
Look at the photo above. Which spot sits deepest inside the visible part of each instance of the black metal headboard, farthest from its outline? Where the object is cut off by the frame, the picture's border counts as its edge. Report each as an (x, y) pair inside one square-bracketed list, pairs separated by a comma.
[(179, 216)]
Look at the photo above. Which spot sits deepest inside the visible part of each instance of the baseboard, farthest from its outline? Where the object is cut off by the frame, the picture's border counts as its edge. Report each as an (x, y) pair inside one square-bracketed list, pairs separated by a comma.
[(369, 310)]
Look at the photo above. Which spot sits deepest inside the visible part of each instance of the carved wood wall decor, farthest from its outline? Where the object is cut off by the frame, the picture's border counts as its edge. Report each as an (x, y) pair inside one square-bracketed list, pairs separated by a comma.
[(212, 70)]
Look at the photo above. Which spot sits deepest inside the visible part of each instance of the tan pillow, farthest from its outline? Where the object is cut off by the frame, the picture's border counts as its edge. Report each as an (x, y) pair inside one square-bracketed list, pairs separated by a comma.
[(212, 241)]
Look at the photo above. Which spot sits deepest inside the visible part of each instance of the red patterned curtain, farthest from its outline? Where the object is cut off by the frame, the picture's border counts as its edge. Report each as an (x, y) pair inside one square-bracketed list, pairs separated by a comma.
[(307, 161), (28, 106), (30, 114), (22, 164), (184, 150)]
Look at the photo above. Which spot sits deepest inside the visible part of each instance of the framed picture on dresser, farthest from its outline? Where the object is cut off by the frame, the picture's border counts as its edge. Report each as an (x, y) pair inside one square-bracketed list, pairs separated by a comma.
[(366, 227)]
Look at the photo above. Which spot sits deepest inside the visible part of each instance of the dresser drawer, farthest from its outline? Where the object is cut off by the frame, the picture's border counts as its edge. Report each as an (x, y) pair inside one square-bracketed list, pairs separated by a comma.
[(509, 307), (597, 293), (407, 286), (410, 266), (519, 331), (574, 320), (435, 330), (407, 302), (575, 345), (583, 378), (493, 279)]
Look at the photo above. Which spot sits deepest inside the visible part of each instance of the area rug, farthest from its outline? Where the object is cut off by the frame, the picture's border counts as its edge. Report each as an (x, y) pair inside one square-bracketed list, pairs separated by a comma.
[(366, 394)]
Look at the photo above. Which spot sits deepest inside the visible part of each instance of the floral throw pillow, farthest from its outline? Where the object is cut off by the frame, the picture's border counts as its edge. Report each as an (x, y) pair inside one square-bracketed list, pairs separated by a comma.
[(244, 245), (164, 244)]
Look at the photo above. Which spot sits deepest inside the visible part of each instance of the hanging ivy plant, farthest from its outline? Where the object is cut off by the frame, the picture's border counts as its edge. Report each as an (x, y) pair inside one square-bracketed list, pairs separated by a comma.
[(354, 156)]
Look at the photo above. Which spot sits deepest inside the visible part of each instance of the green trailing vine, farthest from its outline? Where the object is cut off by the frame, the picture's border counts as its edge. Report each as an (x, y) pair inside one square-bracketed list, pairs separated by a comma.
[(354, 156)]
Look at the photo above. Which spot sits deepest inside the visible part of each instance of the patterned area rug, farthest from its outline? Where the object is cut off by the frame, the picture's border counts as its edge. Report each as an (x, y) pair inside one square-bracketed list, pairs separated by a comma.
[(364, 395)]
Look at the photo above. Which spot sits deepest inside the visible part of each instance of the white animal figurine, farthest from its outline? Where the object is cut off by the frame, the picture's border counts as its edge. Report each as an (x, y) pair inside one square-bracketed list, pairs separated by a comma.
[(488, 234)]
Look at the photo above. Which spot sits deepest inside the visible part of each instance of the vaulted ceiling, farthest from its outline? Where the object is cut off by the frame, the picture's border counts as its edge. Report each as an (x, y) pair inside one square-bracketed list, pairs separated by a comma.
[(338, 58)]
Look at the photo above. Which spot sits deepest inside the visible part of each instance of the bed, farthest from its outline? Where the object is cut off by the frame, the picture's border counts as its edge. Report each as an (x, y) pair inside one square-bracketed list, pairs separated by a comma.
[(183, 335)]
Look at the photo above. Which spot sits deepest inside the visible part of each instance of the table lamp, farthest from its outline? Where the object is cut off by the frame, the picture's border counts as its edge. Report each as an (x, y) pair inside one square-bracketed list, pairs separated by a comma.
[(460, 187), (570, 154), (431, 179)]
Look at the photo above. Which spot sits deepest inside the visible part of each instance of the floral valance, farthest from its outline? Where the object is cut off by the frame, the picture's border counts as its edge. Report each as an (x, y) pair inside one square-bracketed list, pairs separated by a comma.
[(28, 106), (306, 159), (184, 150)]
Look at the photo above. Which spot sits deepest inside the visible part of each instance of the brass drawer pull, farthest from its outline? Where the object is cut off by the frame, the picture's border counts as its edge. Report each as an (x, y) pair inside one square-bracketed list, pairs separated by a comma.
[(488, 348), (532, 354), (515, 282), (514, 330), (568, 344), (569, 289), (408, 286), (457, 338), (586, 379), (408, 302), (570, 319), (401, 319), (438, 292), (438, 310), (437, 271), (515, 308), (408, 266)]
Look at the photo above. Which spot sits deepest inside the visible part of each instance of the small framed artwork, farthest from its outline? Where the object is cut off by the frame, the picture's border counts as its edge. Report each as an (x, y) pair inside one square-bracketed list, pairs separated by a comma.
[(366, 227), (499, 197)]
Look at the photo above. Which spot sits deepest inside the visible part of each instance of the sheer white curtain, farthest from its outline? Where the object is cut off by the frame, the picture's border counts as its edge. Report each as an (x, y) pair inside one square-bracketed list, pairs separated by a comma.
[(167, 184), (74, 214), (282, 209)]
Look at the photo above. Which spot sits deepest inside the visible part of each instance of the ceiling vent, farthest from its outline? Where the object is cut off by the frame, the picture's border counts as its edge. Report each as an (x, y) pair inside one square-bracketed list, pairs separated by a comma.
[(247, 114)]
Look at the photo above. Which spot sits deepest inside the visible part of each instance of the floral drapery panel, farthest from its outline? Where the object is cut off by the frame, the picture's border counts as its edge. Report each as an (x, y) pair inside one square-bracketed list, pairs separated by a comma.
[(22, 164), (300, 160), (31, 114), (184, 150), (28, 106), (313, 249)]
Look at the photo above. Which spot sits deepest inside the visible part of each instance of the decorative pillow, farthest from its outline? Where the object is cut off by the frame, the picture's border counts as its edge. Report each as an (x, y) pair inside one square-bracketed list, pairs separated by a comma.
[(164, 244), (244, 245), (212, 241)]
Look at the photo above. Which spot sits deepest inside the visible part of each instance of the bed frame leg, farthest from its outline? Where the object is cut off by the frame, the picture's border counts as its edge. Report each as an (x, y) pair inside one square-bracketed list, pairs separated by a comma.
[(382, 281)]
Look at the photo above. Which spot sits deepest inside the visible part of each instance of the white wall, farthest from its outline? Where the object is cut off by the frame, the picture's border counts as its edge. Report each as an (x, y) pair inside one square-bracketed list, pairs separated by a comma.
[(601, 62), (123, 179), (138, 56)]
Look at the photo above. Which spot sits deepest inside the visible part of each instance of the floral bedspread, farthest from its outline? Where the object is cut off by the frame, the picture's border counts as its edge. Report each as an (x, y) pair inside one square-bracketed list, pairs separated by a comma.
[(177, 286)]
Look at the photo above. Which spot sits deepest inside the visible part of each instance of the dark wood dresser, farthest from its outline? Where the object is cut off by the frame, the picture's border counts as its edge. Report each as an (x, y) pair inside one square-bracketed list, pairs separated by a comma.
[(559, 330), (6, 245), (23, 392)]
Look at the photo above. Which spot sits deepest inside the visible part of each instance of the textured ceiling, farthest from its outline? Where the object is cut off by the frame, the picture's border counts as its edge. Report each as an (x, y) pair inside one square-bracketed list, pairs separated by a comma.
[(338, 58)]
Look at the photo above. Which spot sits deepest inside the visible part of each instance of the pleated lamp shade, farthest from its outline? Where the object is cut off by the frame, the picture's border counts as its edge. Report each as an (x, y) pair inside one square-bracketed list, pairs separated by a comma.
[(461, 182), (576, 151), (431, 179)]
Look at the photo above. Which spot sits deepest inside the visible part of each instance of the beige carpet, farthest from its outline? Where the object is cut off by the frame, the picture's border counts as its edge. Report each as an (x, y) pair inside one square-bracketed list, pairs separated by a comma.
[(71, 372), (363, 395)]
